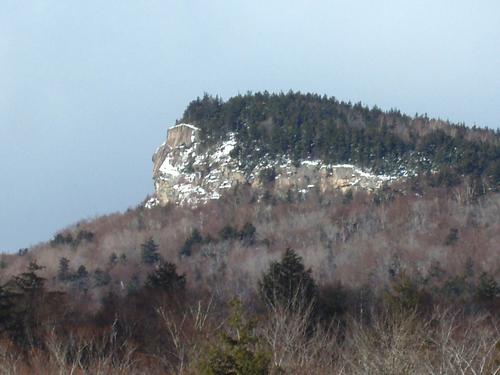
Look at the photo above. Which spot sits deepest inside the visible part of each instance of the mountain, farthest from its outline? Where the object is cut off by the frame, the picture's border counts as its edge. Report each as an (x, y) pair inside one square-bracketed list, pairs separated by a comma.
[(314, 214), (353, 174), (294, 143), (343, 185)]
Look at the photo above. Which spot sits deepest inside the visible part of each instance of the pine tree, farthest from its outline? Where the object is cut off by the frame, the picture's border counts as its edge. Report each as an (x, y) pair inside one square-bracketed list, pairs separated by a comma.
[(228, 233), (150, 253), (487, 289), (6, 308), (238, 350), (28, 290), (194, 239), (101, 278), (452, 237), (63, 273), (247, 234), (288, 283), (82, 272), (81, 278), (29, 281), (166, 279)]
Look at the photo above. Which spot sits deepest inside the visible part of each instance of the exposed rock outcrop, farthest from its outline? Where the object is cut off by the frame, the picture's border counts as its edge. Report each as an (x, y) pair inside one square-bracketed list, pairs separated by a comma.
[(182, 134), (185, 175)]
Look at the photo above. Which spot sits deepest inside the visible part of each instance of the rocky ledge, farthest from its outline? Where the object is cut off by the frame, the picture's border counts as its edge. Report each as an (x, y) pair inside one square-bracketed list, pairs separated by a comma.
[(186, 173)]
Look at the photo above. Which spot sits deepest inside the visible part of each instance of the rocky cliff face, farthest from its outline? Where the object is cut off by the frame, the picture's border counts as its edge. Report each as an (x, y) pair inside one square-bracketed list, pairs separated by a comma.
[(185, 173)]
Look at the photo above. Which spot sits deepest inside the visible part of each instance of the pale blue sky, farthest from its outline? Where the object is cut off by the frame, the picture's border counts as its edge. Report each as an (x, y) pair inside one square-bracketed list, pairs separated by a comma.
[(89, 88)]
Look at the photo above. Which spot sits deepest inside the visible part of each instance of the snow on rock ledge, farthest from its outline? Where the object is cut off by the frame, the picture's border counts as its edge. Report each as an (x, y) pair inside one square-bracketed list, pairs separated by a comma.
[(184, 175)]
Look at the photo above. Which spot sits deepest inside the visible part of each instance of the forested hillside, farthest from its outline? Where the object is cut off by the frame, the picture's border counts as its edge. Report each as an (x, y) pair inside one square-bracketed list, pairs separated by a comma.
[(312, 126), (400, 280)]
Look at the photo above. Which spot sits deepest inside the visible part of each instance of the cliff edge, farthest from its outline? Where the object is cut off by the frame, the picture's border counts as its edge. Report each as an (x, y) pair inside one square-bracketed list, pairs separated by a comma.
[(186, 172)]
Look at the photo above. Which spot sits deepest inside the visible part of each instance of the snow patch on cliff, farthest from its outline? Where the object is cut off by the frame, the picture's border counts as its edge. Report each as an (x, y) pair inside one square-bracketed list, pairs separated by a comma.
[(190, 177), (168, 169)]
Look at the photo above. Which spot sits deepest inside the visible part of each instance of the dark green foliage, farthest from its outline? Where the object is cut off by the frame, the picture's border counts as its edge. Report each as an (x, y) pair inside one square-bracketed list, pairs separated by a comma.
[(22, 252), (62, 239), (457, 288), (27, 291), (84, 235), (6, 308), (82, 272), (196, 236), (166, 279), (268, 197), (332, 301), (68, 239), (445, 177), (313, 126), (101, 278), (113, 259), (384, 195), (194, 239), (348, 196), (394, 268), (487, 289), (228, 233), (238, 350), (493, 174), (288, 283), (81, 278), (134, 285), (452, 237), (63, 272), (247, 234), (150, 253), (267, 176), (29, 281), (406, 295)]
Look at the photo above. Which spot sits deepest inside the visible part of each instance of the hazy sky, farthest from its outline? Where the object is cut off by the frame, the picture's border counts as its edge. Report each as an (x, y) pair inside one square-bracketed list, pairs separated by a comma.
[(89, 88)]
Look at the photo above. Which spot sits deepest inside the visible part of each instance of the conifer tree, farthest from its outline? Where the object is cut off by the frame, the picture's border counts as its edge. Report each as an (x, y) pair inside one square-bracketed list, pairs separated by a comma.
[(288, 283), (150, 253), (166, 279), (247, 234), (238, 350), (487, 289), (63, 273), (28, 290), (6, 308)]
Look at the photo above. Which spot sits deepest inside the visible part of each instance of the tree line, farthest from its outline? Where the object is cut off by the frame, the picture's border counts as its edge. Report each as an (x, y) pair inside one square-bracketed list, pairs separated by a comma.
[(305, 126)]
